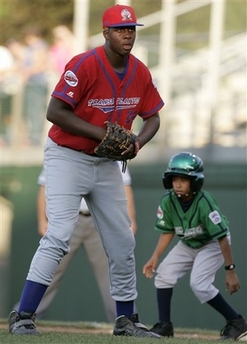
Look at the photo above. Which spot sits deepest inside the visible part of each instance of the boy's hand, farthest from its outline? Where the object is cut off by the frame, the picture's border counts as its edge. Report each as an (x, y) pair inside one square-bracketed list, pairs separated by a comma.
[(232, 282), (149, 268)]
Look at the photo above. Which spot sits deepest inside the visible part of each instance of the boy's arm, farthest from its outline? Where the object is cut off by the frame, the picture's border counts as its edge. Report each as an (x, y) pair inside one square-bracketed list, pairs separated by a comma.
[(232, 281), (163, 243)]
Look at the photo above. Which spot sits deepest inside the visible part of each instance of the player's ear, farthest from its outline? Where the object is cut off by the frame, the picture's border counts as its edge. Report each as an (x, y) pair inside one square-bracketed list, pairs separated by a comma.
[(106, 33)]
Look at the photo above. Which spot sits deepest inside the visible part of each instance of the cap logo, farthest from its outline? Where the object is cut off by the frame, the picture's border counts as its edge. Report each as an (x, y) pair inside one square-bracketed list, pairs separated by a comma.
[(118, 16), (126, 15)]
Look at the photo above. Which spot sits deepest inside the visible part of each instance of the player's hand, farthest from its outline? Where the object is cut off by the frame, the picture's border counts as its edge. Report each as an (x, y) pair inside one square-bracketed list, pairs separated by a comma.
[(132, 150), (149, 268), (133, 227), (42, 227), (232, 282)]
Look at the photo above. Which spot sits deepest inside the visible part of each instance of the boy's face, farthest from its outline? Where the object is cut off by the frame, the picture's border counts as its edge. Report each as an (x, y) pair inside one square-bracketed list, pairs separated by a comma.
[(181, 187), (120, 39)]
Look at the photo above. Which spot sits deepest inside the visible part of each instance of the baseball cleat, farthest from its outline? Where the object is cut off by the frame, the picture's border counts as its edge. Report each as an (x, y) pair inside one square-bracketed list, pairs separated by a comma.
[(135, 319), (126, 327), (163, 329), (22, 323), (235, 329)]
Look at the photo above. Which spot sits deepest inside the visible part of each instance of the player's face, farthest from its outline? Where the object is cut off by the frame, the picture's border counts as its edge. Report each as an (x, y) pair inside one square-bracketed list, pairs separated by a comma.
[(120, 39), (181, 186)]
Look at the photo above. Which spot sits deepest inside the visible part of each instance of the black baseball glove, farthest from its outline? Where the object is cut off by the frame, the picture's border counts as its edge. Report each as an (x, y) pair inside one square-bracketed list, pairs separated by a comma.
[(115, 142)]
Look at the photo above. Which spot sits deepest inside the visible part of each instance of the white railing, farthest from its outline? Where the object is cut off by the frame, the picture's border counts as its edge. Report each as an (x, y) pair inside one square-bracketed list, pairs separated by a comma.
[(187, 119)]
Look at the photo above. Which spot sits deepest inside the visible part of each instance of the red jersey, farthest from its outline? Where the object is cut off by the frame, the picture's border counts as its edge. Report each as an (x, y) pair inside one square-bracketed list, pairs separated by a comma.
[(96, 93)]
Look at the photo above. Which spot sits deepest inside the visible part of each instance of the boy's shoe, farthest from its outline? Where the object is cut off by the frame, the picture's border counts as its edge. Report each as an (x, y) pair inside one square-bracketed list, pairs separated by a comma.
[(163, 329), (22, 323), (235, 329), (135, 319), (126, 327)]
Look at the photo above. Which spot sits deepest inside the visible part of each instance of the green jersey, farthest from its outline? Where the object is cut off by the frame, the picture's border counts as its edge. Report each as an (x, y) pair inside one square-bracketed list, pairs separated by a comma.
[(196, 227)]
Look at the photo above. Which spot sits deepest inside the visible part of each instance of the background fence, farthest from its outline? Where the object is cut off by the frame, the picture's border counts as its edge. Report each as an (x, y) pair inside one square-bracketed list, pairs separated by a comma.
[(78, 297)]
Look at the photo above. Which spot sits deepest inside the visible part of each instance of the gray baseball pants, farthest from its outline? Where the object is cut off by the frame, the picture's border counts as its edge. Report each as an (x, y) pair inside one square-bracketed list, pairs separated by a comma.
[(203, 263), (71, 175)]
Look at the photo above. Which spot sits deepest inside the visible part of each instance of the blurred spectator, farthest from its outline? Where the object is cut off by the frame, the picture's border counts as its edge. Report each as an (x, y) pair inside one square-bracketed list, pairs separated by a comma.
[(17, 49), (6, 66), (34, 73), (61, 51), (36, 67), (6, 63)]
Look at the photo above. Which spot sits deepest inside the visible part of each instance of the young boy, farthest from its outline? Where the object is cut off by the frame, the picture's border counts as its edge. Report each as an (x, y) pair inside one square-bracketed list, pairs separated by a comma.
[(194, 216)]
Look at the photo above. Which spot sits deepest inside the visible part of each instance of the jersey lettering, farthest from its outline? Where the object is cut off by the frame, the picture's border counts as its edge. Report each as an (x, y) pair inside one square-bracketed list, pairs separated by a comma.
[(107, 105), (100, 102), (189, 232), (128, 101)]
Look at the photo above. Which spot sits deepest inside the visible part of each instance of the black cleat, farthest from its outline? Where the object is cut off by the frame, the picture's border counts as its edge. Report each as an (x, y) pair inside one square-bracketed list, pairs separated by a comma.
[(135, 319), (163, 329), (22, 323), (126, 327), (235, 329)]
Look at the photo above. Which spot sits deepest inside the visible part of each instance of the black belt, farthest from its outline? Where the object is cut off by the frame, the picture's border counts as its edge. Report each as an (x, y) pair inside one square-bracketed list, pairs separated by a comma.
[(84, 213), (82, 151)]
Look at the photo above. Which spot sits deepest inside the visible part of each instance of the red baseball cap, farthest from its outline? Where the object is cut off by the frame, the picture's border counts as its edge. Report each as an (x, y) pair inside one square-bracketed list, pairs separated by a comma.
[(119, 15)]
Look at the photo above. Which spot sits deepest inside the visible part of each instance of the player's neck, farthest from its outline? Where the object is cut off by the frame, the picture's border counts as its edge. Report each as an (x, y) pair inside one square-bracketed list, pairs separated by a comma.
[(118, 62), (186, 198), (186, 202)]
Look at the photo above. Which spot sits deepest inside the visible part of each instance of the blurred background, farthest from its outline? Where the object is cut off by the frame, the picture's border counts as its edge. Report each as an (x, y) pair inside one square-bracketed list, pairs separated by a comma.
[(196, 52)]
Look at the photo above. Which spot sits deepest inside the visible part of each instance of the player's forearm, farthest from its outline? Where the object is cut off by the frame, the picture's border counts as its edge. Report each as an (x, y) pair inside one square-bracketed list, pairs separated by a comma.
[(162, 245), (42, 227), (149, 128), (62, 115), (226, 251)]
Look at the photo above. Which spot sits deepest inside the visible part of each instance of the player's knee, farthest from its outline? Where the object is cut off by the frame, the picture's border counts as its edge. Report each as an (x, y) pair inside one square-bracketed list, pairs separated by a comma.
[(199, 289), (161, 282), (57, 248), (195, 285)]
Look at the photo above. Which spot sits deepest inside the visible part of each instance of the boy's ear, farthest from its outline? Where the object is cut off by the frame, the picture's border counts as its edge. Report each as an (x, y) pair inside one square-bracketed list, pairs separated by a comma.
[(106, 33)]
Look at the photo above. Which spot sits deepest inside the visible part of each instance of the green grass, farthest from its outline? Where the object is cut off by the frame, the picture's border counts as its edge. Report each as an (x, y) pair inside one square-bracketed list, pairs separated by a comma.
[(69, 333)]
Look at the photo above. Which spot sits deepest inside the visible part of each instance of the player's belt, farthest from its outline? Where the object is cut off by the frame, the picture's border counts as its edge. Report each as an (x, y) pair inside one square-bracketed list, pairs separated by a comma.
[(81, 151), (84, 213)]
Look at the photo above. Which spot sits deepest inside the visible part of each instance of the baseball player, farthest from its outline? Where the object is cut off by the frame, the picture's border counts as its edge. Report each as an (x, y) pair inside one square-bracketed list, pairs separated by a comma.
[(104, 84), (86, 236), (194, 216)]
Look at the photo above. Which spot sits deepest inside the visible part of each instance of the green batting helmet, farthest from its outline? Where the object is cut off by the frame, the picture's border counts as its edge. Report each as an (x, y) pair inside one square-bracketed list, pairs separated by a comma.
[(187, 165)]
